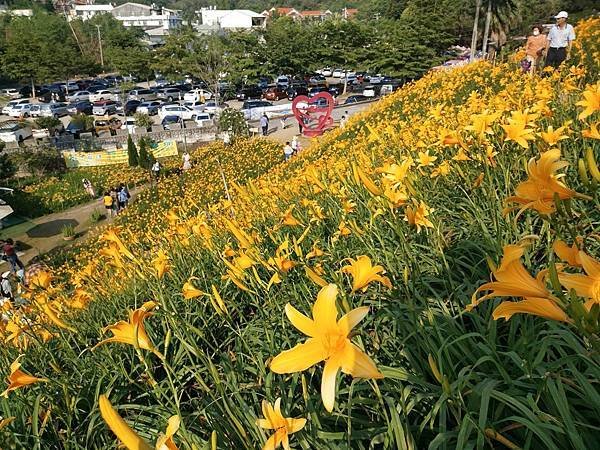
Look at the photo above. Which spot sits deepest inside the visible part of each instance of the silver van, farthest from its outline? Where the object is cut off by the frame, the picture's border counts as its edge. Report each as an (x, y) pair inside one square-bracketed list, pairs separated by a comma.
[(143, 95)]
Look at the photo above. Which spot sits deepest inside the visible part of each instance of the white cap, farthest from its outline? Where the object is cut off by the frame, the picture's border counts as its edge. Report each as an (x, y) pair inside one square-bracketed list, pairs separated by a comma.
[(562, 15), (5, 274)]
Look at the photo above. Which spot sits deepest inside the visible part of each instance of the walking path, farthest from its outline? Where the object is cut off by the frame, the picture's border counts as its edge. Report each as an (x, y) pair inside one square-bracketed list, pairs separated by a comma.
[(40, 235)]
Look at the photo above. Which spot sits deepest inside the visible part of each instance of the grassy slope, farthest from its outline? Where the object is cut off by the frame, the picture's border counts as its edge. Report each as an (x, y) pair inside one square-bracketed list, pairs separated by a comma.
[(531, 380)]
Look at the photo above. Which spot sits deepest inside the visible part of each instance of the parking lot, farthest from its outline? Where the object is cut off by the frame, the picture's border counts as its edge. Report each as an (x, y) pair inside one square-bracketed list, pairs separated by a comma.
[(174, 107)]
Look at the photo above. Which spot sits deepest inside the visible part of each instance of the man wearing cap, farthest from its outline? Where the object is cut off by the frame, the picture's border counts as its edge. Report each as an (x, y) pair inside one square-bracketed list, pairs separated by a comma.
[(559, 41)]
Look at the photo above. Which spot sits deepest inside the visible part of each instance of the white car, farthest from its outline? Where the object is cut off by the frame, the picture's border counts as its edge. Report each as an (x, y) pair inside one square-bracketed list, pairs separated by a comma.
[(35, 110), (196, 95), (196, 106), (79, 96), (212, 108), (204, 120), (338, 73), (10, 93), (283, 81), (150, 108), (326, 72), (128, 124), (13, 131), (376, 79), (180, 111), (369, 91), (20, 110), (102, 94), (12, 103)]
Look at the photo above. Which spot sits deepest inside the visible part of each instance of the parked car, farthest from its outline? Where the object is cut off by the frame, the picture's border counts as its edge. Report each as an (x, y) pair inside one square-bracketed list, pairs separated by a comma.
[(76, 127), (374, 79), (10, 93), (128, 124), (251, 104), (249, 93), (14, 131), (204, 119), (20, 110), (335, 90), (177, 110), (317, 80), (317, 89), (150, 108), (12, 103), (355, 99), (101, 94), (42, 133), (369, 91), (338, 73), (211, 107), (54, 110), (35, 109), (275, 93), (84, 107), (283, 81), (104, 107), (143, 95), (169, 94), (160, 82), (26, 92), (69, 87), (326, 72), (112, 125), (167, 121), (196, 95), (196, 106), (79, 96), (295, 90), (130, 107)]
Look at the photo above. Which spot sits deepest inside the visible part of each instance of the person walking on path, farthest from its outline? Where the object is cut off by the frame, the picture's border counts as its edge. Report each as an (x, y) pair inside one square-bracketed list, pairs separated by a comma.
[(107, 201), (122, 198), (156, 170), (10, 254), (295, 145), (282, 122), (559, 41), (534, 48), (264, 124)]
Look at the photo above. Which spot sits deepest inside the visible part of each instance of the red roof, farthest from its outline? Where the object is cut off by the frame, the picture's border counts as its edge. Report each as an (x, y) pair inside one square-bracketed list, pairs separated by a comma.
[(313, 13)]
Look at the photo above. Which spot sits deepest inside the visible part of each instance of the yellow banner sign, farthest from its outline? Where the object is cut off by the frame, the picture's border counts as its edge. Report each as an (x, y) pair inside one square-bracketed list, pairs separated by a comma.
[(118, 156)]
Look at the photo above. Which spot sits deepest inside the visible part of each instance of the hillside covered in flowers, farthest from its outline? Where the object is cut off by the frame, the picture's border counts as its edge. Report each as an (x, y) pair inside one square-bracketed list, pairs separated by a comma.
[(426, 277)]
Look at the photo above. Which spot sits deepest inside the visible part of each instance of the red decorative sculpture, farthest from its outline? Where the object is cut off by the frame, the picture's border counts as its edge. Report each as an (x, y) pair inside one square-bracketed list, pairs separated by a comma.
[(313, 114)]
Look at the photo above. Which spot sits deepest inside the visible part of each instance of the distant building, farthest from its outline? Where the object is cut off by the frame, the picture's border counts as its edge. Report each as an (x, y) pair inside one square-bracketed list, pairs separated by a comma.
[(86, 12), (16, 12), (230, 19), (147, 17), (282, 12), (346, 13), (316, 15)]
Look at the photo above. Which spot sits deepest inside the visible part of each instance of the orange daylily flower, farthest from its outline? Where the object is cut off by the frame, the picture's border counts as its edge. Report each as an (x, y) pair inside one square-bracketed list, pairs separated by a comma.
[(189, 291), (586, 286), (328, 341), (161, 263), (593, 132), (17, 378), (134, 331), (538, 191), (363, 273), (283, 426), (417, 216), (590, 102), (568, 254)]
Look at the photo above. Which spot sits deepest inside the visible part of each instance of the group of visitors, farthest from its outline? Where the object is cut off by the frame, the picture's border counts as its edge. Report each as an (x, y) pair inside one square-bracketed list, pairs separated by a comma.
[(116, 199), (291, 148), (555, 46)]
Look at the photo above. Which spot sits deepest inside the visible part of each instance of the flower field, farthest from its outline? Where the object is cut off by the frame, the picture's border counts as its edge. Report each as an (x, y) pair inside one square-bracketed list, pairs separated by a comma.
[(426, 277), (36, 196)]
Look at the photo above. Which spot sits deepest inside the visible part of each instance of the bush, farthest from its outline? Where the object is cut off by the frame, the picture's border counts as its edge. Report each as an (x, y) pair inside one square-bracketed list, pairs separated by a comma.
[(143, 120), (233, 122), (42, 161), (68, 231), (84, 121), (49, 123), (96, 216), (132, 153), (7, 166)]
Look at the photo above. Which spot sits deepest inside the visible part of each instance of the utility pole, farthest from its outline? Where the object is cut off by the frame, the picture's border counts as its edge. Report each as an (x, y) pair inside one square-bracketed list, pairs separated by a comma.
[(100, 44)]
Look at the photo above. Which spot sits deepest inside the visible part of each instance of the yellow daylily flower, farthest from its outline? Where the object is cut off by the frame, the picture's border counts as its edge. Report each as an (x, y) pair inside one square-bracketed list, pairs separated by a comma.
[(538, 191), (161, 263), (586, 286), (417, 216), (363, 273), (553, 137), (328, 341), (189, 291), (134, 331), (593, 132), (283, 426), (519, 133), (314, 277), (481, 124), (590, 102), (288, 218), (17, 378), (541, 307), (425, 159)]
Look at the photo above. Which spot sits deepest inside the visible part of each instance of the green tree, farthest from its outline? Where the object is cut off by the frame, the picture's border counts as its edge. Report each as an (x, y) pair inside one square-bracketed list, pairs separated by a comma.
[(143, 120), (132, 153), (7, 166), (145, 158), (233, 122)]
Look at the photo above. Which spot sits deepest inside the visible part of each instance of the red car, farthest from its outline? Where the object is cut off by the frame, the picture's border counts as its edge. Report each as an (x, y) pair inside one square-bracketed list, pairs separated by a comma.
[(275, 93)]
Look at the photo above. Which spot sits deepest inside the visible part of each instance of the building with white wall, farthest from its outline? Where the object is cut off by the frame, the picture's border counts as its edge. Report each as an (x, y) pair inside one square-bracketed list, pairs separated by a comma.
[(86, 12), (231, 19), (147, 17)]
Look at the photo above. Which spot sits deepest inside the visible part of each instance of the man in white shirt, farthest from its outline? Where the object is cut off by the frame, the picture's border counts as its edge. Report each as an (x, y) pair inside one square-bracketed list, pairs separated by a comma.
[(288, 151), (560, 39)]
